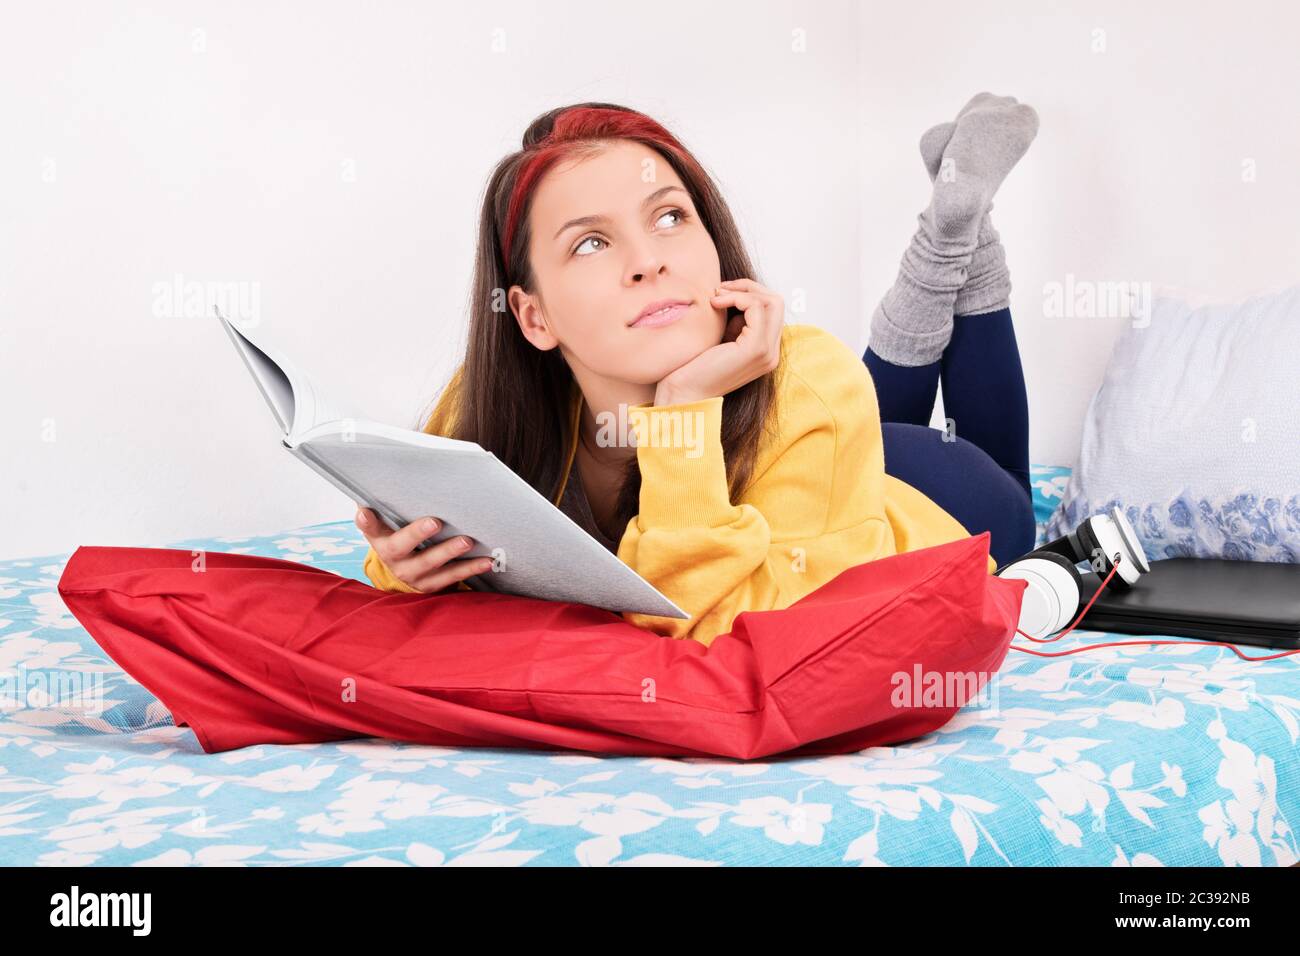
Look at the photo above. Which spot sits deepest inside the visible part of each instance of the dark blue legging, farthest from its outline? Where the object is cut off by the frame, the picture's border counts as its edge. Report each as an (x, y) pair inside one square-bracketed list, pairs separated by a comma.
[(982, 477)]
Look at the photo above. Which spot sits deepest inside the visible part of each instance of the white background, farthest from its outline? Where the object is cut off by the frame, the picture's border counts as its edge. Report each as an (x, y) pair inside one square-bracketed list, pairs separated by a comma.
[(334, 154)]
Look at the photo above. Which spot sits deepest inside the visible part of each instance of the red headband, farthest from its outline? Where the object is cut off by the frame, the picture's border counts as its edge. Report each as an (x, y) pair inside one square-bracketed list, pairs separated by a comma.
[(571, 127)]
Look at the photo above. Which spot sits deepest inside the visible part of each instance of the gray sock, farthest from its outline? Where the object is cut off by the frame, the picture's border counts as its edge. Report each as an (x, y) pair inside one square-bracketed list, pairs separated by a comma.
[(988, 280), (913, 322)]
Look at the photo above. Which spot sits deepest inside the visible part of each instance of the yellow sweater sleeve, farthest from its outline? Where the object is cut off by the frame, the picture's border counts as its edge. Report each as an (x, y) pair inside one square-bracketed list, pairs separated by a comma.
[(381, 577), (821, 501), (815, 508)]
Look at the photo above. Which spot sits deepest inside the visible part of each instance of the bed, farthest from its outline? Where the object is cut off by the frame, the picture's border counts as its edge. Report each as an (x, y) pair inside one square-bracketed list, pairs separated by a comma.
[(1116, 757)]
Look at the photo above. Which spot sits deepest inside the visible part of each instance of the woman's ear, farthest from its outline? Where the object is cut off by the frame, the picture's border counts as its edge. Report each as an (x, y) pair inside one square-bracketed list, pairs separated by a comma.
[(532, 322)]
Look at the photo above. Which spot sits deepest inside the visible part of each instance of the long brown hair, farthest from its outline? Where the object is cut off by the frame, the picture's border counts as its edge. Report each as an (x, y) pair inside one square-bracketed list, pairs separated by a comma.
[(514, 399)]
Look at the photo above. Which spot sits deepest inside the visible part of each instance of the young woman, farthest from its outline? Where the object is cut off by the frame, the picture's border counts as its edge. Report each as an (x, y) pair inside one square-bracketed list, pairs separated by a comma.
[(610, 277)]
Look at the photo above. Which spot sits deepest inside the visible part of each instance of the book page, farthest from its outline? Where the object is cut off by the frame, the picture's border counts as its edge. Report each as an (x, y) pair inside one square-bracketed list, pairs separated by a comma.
[(293, 397), (271, 380)]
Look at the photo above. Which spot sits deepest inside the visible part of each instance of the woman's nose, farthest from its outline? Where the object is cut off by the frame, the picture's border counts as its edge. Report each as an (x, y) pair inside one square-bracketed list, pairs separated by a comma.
[(647, 263)]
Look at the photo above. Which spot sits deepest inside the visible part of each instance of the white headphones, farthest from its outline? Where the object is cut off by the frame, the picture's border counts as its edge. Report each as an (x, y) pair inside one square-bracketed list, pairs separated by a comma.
[(1055, 590)]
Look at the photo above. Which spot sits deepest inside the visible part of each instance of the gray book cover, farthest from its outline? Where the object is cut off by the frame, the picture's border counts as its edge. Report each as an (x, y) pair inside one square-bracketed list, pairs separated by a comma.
[(537, 550)]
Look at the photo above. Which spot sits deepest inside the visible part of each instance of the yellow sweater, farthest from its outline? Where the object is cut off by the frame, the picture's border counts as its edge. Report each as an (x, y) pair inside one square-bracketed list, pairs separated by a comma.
[(820, 500)]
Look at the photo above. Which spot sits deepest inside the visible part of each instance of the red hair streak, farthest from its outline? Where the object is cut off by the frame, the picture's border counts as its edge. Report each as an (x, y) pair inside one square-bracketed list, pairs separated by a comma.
[(571, 129)]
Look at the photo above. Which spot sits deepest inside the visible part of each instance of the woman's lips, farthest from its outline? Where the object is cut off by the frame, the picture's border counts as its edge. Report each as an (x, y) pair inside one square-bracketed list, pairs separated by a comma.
[(666, 317)]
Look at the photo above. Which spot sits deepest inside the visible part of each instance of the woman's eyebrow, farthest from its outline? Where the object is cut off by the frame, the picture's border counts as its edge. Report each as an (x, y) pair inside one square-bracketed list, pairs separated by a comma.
[(593, 220)]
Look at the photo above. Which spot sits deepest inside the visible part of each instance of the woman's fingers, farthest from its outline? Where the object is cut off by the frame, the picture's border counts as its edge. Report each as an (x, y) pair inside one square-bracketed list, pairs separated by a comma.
[(735, 325), (393, 546), (419, 568), (763, 320), (377, 533), (451, 573), (433, 557), (372, 527), (436, 568), (774, 306)]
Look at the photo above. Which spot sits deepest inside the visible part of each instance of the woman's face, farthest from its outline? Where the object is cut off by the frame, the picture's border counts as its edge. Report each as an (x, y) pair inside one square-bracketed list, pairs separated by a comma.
[(639, 241)]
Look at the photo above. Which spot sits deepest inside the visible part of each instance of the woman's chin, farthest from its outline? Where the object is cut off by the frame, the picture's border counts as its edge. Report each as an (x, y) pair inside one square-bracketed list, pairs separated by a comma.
[(668, 349)]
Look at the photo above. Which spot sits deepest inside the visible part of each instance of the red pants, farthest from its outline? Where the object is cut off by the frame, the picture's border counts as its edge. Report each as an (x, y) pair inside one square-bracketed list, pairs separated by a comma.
[(255, 650)]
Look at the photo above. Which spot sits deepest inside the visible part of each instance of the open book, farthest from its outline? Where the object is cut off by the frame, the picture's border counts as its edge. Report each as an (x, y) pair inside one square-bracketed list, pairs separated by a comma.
[(537, 550)]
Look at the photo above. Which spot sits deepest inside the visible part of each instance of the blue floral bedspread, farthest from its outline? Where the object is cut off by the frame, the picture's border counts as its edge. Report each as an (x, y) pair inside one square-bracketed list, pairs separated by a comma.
[(1122, 756)]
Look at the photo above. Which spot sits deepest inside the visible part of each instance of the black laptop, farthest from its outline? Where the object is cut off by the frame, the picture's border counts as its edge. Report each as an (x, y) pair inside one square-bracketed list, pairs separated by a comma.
[(1242, 602)]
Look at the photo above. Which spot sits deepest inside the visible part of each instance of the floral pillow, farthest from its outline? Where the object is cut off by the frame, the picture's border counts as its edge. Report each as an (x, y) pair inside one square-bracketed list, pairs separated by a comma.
[(1195, 432)]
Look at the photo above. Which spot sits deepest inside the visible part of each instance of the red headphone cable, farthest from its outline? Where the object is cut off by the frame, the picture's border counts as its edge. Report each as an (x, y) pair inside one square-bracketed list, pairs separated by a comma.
[(1090, 647)]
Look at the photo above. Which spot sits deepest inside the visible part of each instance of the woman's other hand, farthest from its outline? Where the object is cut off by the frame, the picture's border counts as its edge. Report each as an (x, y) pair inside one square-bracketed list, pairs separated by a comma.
[(433, 570), (750, 347)]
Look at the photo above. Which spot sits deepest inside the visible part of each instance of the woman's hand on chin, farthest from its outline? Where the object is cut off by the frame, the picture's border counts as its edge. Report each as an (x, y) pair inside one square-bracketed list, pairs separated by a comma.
[(750, 347)]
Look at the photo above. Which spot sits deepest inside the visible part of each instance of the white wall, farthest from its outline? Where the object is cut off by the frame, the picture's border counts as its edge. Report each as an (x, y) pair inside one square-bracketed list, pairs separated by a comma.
[(1136, 174), (332, 155)]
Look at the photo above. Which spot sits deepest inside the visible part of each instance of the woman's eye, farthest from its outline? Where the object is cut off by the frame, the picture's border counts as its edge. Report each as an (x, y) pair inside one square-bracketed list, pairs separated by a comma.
[(584, 242), (681, 215)]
